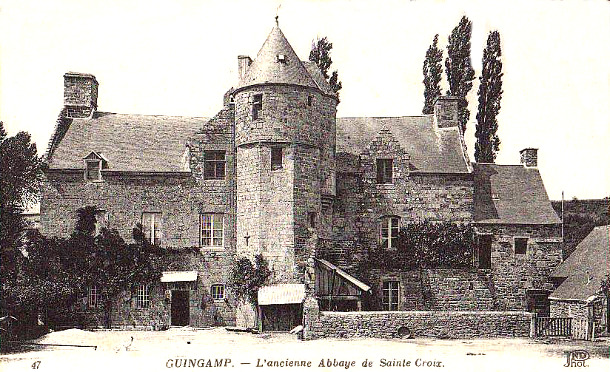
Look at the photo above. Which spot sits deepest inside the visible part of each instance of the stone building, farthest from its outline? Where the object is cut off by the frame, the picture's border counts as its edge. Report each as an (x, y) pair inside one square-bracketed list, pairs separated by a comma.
[(276, 172)]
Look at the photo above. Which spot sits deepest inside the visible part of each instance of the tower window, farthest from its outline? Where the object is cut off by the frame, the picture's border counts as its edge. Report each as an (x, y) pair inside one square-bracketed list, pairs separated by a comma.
[(312, 219), (276, 158), (281, 58), (257, 106), (309, 101), (384, 170)]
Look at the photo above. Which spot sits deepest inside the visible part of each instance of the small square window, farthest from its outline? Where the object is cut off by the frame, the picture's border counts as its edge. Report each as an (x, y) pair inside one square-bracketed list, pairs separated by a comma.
[(217, 292), (276, 158), (257, 106), (520, 245), (384, 171)]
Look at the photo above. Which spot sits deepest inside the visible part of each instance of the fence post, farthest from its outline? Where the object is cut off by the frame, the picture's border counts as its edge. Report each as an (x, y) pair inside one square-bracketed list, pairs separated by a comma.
[(533, 326)]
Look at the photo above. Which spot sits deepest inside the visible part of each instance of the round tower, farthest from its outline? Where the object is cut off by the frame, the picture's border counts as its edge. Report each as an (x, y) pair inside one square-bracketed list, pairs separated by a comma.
[(285, 117)]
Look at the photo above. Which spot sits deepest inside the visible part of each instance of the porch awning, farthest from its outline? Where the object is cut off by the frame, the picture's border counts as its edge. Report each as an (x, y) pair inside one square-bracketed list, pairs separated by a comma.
[(178, 276), (281, 294), (344, 275)]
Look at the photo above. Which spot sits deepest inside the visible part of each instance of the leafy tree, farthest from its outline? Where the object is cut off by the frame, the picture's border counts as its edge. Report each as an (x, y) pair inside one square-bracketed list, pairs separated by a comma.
[(490, 95), (20, 180), (247, 278), (320, 54), (433, 70), (458, 67)]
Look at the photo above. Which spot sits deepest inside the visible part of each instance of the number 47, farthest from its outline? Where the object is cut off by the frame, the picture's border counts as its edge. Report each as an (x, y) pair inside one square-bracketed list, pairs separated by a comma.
[(36, 364)]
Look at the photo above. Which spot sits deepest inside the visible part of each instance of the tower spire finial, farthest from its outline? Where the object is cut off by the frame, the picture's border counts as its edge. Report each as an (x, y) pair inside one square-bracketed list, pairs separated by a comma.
[(277, 22)]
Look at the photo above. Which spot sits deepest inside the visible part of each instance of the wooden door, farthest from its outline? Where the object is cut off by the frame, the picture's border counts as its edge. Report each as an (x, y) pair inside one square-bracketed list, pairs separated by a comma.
[(180, 308)]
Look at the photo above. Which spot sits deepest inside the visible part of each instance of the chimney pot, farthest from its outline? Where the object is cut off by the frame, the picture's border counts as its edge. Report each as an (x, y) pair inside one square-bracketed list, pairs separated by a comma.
[(446, 112), (529, 157)]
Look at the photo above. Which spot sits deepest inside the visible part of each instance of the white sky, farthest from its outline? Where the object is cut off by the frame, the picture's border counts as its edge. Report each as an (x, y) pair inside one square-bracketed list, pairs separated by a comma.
[(178, 58)]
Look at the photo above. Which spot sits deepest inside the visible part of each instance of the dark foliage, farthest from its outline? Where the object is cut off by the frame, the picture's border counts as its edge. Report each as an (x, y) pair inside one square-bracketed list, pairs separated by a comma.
[(490, 95), (248, 277), (458, 67), (433, 69), (320, 54), (20, 180), (427, 245), (580, 217)]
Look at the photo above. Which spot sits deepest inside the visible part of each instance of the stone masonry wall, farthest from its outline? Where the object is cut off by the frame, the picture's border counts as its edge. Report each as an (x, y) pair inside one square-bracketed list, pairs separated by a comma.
[(513, 274), (451, 324)]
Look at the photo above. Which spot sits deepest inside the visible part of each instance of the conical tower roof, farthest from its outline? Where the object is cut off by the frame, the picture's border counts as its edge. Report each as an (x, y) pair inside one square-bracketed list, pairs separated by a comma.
[(276, 62)]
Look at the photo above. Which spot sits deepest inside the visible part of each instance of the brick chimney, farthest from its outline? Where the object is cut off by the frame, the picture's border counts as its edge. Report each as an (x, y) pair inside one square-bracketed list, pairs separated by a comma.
[(243, 62), (529, 157), (80, 94), (446, 112)]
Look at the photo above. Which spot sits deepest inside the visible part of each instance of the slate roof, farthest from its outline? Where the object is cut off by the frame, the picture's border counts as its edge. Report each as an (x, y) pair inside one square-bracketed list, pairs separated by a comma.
[(511, 194), (267, 69), (316, 74), (432, 150), (135, 143), (589, 260)]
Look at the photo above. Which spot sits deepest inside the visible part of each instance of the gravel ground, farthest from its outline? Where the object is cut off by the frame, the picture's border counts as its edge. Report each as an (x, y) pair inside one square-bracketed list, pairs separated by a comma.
[(167, 350)]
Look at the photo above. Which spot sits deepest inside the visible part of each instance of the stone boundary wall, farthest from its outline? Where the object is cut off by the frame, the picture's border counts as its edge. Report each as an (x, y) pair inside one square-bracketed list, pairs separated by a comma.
[(444, 324)]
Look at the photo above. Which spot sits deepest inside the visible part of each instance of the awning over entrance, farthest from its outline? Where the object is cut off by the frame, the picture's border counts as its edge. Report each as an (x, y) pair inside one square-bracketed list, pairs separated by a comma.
[(178, 276), (280, 294)]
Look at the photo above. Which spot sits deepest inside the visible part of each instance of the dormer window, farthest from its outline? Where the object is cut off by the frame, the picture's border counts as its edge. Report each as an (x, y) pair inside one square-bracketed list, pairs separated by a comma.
[(257, 106), (94, 163), (281, 58)]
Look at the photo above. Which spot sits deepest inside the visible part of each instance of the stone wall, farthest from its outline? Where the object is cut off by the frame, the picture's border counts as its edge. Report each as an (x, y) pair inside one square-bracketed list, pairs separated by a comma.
[(513, 274), (180, 199), (449, 324), (595, 311)]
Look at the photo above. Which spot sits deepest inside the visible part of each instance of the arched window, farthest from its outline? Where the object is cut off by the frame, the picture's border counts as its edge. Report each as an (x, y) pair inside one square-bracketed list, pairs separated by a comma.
[(388, 232)]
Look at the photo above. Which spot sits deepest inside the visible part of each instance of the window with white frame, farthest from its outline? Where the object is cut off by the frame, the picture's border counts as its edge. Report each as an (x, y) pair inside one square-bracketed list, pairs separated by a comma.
[(212, 234), (388, 232), (93, 170), (93, 297), (390, 293), (102, 219), (151, 227), (142, 297), (218, 292)]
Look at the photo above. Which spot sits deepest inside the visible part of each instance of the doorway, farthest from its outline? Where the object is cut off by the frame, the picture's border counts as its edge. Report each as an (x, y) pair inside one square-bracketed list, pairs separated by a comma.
[(281, 318), (180, 308)]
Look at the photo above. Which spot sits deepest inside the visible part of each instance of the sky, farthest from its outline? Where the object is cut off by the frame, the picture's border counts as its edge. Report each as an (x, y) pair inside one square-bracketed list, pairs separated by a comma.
[(178, 58)]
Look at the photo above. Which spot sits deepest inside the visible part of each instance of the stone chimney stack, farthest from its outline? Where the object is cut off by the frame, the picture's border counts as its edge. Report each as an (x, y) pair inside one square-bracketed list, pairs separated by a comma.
[(529, 157), (243, 62), (80, 94), (446, 112)]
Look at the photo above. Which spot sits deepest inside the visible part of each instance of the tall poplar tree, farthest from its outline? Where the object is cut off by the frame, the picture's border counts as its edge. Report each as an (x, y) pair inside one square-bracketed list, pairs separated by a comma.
[(458, 67), (320, 54), (490, 94), (433, 70)]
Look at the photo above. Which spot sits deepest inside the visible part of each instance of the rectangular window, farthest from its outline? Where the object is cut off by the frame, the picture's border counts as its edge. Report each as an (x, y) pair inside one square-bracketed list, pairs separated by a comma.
[(520, 245), (312, 219), (151, 227), (384, 171), (93, 170), (218, 292), (389, 232), (257, 106), (309, 101), (212, 230), (92, 297), (276, 158), (484, 251), (102, 219), (214, 165), (390, 295), (142, 297)]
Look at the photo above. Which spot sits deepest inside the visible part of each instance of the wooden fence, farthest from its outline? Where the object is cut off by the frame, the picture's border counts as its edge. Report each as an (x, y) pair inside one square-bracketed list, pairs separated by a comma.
[(577, 329)]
